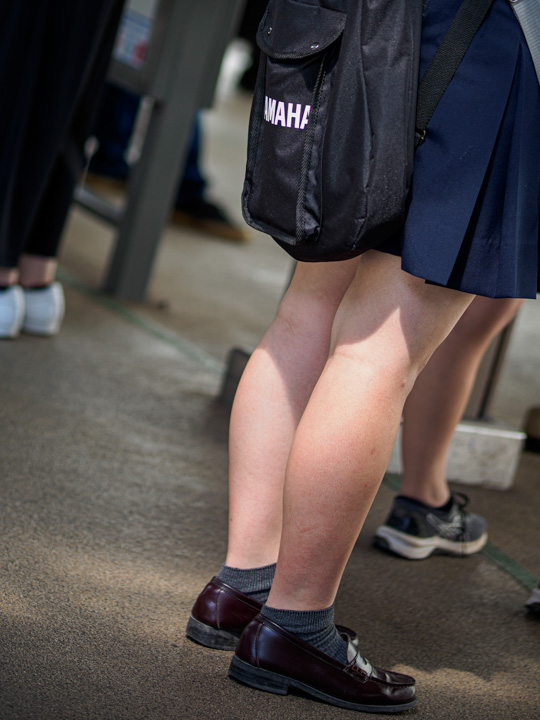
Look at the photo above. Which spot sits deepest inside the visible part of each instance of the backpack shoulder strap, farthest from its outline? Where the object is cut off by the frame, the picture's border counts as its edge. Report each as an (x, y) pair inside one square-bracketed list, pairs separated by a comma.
[(446, 60)]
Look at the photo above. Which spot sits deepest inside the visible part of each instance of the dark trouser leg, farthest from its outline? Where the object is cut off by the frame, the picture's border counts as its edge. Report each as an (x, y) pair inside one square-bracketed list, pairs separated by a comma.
[(52, 104)]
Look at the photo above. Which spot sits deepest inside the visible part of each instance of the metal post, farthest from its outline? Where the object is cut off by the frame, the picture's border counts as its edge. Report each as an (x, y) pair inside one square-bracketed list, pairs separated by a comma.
[(185, 82)]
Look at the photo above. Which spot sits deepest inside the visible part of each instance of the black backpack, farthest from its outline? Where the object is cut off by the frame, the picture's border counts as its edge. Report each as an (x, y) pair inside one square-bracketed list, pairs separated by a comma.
[(333, 124)]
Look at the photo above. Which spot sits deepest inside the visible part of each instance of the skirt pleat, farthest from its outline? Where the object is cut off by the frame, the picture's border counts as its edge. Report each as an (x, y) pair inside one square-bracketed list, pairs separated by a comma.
[(473, 217)]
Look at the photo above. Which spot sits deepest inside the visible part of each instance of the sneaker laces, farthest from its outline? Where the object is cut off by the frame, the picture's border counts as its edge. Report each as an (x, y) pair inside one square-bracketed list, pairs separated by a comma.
[(461, 501)]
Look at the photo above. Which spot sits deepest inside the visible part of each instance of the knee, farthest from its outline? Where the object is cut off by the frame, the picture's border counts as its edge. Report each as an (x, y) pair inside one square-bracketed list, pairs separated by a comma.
[(314, 295), (392, 371), (306, 311)]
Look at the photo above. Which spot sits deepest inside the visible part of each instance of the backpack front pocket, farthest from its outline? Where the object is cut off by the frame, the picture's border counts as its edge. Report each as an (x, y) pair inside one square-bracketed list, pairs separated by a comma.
[(300, 46)]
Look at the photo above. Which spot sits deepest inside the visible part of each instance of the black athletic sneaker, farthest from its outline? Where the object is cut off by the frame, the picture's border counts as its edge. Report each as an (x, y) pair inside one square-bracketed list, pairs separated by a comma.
[(416, 531), (533, 603)]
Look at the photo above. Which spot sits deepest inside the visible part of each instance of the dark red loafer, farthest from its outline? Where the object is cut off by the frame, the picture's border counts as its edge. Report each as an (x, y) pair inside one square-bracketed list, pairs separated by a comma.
[(221, 613), (269, 658)]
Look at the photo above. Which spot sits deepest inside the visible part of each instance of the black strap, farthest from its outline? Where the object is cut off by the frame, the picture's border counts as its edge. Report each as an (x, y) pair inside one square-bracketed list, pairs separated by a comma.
[(446, 60)]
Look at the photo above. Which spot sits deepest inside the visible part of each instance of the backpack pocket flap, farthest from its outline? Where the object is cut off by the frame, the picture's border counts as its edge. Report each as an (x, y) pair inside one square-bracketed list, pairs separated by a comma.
[(291, 29)]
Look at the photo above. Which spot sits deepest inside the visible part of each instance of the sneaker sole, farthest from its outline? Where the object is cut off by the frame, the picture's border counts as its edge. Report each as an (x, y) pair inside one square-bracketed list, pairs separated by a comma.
[(210, 637), (280, 685), (43, 330), (10, 333), (413, 548)]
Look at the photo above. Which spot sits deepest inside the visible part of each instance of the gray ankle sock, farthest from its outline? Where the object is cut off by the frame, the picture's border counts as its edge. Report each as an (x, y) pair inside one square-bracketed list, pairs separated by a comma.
[(254, 582), (315, 627)]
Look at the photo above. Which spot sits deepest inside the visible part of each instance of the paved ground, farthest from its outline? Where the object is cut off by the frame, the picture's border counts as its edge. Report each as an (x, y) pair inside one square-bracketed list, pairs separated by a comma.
[(113, 511)]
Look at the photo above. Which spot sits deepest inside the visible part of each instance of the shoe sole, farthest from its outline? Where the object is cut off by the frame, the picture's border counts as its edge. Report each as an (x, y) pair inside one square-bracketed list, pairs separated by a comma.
[(280, 684), (44, 331), (210, 637), (10, 333), (412, 548)]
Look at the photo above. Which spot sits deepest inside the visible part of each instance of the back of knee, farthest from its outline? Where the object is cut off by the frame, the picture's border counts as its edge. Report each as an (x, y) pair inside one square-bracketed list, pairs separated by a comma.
[(301, 313)]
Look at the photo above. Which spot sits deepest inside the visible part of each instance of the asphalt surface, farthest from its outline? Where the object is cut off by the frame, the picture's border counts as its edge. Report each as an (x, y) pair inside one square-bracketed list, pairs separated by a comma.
[(113, 517), (114, 504)]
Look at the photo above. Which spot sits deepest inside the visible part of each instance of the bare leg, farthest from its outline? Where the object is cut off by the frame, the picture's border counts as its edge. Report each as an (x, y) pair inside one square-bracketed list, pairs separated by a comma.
[(35, 270), (440, 395), (8, 276), (270, 400), (387, 326)]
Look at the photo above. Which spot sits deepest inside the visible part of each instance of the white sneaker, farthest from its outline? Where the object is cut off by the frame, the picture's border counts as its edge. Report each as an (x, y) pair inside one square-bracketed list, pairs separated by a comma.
[(11, 311), (44, 310)]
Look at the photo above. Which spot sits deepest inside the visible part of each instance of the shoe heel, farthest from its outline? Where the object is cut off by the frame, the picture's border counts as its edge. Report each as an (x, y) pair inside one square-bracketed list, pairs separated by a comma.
[(209, 636), (258, 678)]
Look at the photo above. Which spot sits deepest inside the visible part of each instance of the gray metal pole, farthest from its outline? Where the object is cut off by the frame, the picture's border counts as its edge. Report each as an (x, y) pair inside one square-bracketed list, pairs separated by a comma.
[(185, 81)]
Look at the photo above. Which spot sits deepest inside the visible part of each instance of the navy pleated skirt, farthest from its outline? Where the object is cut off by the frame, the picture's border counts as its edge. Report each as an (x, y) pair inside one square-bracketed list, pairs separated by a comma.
[(473, 219)]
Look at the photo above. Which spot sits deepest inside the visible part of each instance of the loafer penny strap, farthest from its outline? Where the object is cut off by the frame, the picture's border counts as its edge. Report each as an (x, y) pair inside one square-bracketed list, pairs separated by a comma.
[(357, 662)]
